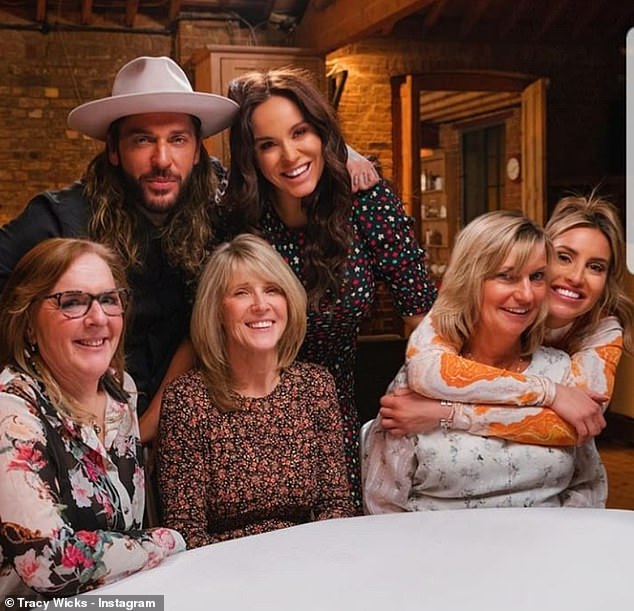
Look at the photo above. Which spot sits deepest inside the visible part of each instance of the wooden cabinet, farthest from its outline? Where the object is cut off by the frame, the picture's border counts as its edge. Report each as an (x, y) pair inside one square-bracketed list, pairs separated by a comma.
[(437, 210), (216, 65)]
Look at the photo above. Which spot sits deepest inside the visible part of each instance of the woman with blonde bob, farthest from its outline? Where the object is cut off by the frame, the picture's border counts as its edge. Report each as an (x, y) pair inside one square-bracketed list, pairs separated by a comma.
[(491, 310), (250, 440), (71, 478)]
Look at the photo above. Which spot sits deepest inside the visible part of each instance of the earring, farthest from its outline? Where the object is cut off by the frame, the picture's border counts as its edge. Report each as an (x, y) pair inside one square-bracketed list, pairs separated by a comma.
[(32, 347)]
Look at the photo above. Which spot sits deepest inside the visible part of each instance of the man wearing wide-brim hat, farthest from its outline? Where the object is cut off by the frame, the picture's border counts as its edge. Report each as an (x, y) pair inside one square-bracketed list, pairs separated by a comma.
[(147, 195), (150, 194)]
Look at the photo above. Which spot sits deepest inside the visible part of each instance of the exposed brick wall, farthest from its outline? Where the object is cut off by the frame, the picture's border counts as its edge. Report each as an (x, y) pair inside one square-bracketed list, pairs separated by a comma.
[(44, 76), (584, 81)]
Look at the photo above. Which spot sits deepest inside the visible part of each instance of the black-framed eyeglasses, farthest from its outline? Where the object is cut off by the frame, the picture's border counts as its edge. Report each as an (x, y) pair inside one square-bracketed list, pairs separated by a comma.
[(75, 304)]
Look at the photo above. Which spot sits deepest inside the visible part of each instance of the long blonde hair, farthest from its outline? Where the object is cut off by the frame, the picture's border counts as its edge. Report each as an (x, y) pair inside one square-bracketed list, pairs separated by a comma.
[(256, 256), (597, 213)]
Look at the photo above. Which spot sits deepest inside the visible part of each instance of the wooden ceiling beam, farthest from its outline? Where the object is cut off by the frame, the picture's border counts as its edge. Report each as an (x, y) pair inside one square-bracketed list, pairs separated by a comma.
[(329, 25), (458, 106), (556, 9), (471, 20), (174, 9), (40, 11), (513, 17), (433, 15), (86, 12), (131, 10)]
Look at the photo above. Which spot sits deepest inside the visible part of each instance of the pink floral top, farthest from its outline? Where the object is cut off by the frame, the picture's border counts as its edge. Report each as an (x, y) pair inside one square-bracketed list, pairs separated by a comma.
[(70, 507)]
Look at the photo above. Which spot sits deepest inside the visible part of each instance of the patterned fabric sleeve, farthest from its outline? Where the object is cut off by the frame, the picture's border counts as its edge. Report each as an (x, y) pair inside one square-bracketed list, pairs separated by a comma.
[(594, 364), (183, 468), (399, 260), (334, 499), (594, 367), (434, 369), (388, 465), (48, 553)]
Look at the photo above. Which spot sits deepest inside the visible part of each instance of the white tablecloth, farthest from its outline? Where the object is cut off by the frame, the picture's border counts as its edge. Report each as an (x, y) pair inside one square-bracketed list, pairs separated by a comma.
[(463, 560)]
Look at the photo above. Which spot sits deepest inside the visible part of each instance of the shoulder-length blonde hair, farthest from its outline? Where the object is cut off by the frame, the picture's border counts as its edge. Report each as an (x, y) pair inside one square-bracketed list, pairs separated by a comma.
[(597, 213), (255, 256), (480, 250), (34, 276)]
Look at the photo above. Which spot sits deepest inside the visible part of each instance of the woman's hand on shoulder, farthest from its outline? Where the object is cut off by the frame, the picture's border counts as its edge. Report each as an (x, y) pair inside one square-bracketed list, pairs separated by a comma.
[(581, 409), (363, 174), (404, 412)]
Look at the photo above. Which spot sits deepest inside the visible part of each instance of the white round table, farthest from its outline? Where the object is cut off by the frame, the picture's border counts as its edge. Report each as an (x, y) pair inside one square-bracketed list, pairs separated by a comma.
[(471, 560)]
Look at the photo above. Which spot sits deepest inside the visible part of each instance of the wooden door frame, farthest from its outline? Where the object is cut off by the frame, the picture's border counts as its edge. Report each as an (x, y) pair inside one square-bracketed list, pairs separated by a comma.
[(406, 91)]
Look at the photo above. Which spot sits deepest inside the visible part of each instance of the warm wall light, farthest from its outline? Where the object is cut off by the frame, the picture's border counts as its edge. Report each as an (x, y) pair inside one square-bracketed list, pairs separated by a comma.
[(427, 152)]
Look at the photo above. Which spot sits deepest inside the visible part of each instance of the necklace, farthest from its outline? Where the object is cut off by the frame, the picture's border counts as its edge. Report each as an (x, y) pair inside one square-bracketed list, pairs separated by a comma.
[(516, 365)]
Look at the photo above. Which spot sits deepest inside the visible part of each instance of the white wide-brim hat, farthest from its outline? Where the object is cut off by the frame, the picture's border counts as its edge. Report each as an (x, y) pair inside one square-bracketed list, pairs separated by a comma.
[(152, 84)]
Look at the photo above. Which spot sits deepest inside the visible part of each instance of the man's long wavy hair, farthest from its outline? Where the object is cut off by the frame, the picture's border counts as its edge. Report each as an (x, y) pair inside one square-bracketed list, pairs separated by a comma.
[(328, 231), (114, 220)]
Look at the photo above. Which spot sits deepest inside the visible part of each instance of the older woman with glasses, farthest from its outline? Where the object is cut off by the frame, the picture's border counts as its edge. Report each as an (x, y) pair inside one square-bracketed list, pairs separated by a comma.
[(71, 480)]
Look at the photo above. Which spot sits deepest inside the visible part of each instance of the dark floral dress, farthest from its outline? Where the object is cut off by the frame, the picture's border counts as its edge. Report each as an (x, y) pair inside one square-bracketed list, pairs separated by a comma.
[(70, 507), (384, 249), (276, 462)]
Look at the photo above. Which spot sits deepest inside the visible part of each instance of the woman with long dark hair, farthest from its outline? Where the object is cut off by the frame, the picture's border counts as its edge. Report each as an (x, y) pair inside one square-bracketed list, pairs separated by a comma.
[(288, 182)]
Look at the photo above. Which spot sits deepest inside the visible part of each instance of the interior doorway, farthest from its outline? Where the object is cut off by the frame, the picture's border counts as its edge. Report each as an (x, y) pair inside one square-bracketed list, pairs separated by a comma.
[(483, 160), (479, 107)]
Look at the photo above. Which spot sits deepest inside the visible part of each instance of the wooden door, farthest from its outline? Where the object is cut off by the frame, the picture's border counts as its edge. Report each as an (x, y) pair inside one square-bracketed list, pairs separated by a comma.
[(406, 141), (534, 151)]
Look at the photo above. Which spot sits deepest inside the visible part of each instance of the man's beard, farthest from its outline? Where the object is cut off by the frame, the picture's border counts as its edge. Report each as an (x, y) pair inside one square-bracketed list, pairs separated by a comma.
[(135, 194)]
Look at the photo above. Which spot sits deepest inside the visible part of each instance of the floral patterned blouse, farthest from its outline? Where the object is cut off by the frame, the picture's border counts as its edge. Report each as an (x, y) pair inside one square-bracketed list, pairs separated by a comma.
[(455, 469), (275, 462), (70, 507), (385, 249)]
